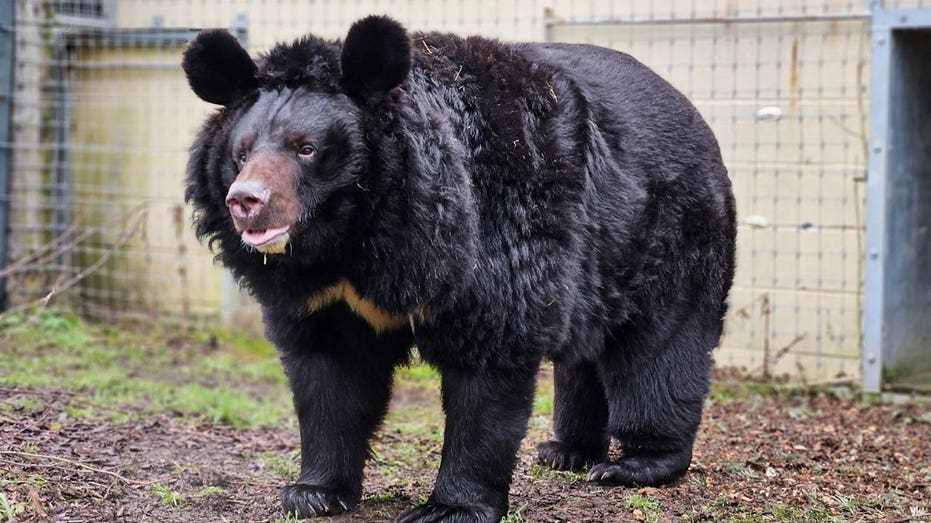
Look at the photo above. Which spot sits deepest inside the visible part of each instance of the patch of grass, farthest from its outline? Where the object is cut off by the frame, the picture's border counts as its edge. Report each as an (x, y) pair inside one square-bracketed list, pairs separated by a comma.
[(221, 377), (848, 470), (15, 403), (720, 501), (5, 506), (543, 405), (165, 495), (745, 517), (289, 518), (699, 479), (383, 496), (418, 372), (544, 472), (420, 421), (817, 513), (543, 400), (286, 467), (644, 504), (851, 505), (723, 390), (409, 453), (783, 513), (515, 516), (711, 512), (803, 412), (209, 490)]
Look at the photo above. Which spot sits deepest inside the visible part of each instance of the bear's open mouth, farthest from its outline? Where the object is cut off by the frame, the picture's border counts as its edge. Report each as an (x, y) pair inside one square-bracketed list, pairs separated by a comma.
[(271, 240)]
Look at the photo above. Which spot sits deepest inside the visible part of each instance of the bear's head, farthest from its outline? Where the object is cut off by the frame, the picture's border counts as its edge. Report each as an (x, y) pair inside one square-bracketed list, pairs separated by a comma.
[(278, 167)]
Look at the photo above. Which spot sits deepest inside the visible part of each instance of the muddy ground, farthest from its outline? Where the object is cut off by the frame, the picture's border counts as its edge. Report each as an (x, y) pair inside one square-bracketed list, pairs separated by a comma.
[(759, 457)]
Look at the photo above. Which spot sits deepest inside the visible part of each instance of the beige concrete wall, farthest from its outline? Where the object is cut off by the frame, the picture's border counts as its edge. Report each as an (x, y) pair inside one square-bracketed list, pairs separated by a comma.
[(133, 121), (798, 179)]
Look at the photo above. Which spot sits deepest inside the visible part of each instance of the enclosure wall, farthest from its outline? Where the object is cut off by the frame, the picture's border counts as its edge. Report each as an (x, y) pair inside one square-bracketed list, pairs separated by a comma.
[(103, 119)]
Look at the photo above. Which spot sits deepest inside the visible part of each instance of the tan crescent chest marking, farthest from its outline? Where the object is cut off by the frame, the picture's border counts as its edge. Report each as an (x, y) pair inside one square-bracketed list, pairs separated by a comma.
[(342, 290)]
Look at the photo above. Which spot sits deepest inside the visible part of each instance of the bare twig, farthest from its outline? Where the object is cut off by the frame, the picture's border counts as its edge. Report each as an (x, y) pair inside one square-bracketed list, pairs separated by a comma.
[(771, 361), (46, 252), (67, 461), (131, 222), (60, 395), (65, 242), (765, 311)]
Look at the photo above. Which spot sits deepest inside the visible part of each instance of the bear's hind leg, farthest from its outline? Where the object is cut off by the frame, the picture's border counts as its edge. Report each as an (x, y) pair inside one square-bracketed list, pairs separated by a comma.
[(656, 378), (579, 418)]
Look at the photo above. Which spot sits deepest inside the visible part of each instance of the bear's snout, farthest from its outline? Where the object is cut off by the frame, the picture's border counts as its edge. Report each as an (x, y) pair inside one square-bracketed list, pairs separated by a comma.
[(246, 199), (262, 201)]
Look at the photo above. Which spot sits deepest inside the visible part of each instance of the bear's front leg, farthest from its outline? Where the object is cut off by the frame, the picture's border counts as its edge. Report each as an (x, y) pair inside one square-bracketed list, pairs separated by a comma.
[(340, 375), (486, 419)]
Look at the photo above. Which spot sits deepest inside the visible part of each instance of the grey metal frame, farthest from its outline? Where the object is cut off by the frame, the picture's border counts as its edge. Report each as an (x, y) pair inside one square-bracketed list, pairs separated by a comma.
[(897, 281), (7, 46)]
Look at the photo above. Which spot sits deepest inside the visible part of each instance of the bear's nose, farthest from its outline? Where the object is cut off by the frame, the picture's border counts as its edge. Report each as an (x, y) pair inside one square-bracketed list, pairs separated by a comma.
[(246, 198)]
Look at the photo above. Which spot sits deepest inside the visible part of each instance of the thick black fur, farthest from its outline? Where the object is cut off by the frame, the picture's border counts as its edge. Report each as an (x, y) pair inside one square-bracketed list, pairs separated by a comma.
[(516, 201)]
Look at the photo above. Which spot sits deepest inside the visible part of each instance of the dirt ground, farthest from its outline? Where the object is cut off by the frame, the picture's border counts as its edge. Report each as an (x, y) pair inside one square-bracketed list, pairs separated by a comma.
[(758, 458)]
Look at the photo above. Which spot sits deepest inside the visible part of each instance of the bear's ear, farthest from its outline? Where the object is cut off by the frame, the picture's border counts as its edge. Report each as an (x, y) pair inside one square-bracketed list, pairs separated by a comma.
[(218, 69), (376, 56)]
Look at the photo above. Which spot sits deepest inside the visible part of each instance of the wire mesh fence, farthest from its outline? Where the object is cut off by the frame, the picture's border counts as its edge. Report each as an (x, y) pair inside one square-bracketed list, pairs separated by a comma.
[(102, 117)]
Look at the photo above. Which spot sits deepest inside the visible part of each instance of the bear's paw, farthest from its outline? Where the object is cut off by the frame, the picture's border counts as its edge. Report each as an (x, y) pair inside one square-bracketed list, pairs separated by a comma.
[(306, 501), (650, 470), (441, 513), (560, 456)]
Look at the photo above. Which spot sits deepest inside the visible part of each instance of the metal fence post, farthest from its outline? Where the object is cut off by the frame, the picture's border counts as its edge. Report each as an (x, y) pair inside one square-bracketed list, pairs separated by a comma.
[(7, 16), (874, 282), (897, 288)]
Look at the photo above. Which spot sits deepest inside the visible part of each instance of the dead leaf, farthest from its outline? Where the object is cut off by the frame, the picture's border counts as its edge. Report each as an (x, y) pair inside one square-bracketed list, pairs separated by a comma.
[(34, 497)]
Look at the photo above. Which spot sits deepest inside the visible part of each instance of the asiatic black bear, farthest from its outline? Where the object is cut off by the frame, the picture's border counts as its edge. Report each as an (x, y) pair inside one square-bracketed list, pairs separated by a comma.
[(492, 204)]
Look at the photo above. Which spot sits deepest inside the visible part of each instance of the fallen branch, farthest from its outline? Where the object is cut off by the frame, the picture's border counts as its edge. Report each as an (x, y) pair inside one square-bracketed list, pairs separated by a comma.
[(69, 462)]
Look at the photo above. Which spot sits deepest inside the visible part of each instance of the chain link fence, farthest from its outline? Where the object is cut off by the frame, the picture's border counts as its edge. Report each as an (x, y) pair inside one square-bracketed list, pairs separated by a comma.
[(101, 117)]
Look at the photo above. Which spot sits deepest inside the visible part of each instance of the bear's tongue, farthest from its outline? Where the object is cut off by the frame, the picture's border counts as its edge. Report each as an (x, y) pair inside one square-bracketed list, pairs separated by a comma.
[(260, 236)]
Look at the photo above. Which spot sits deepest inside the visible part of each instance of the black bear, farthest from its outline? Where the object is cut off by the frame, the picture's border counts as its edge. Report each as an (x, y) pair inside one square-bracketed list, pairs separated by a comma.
[(490, 203)]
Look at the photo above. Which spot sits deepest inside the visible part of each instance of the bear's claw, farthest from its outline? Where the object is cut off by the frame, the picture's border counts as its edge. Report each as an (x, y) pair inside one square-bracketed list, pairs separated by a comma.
[(307, 501), (642, 470), (440, 513), (559, 456)]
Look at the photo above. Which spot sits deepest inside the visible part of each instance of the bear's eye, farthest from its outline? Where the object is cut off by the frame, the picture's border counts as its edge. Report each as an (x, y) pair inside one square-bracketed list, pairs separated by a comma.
[(242, 158), (306, 150)]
